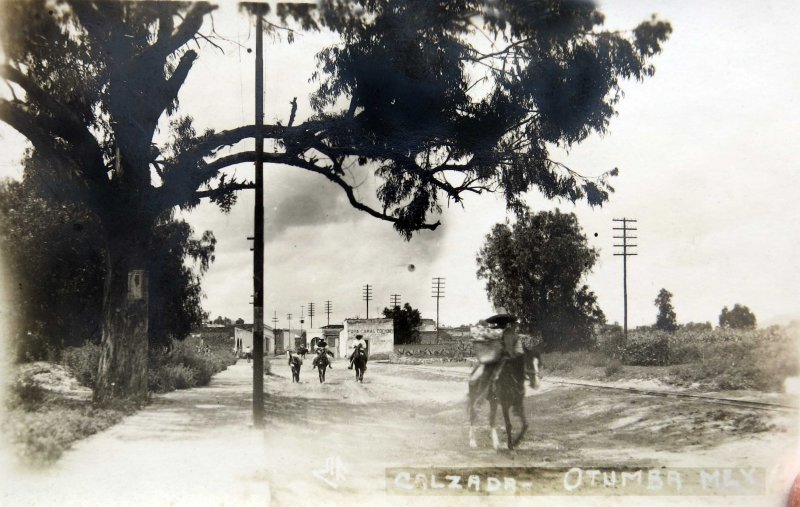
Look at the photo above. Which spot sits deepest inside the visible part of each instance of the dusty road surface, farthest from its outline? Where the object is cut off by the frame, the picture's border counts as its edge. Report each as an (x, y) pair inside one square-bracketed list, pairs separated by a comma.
[(330, 444)]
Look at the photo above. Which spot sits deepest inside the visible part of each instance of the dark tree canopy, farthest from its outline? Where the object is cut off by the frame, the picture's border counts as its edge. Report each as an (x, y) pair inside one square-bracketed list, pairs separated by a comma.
[(534, 269), (666, 319), (440, 98), (53, 252), (739, 317), (406, 323)]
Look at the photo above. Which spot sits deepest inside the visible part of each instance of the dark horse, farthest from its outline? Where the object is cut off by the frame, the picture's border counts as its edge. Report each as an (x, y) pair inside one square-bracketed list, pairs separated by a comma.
[(504, 385), (295, 362), (301, 351), (360, 364), (321, 363)]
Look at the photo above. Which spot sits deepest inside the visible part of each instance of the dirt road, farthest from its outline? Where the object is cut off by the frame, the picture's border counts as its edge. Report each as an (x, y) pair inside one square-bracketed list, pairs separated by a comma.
[(331, 443)]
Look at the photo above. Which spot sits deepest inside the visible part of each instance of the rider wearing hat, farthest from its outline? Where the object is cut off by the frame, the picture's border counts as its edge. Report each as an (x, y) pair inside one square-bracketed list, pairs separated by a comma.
[(359, 346), (322, 349), (512, 345)]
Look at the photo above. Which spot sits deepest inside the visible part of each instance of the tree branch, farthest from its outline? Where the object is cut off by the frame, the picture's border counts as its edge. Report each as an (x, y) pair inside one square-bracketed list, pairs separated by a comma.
[(185, 32)]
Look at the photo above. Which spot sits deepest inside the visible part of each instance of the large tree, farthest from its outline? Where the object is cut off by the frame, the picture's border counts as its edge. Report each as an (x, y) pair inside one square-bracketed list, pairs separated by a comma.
[(534, 268), (739, 317), (406, 323), (666, 320), (54, 256), (440, 98)]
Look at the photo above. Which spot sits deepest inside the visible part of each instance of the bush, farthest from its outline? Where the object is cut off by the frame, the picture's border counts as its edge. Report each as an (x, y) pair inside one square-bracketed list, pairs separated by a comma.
[(614, 366), (611, 342), (649, 348), (25, 393), (83, 363), (185, 365)]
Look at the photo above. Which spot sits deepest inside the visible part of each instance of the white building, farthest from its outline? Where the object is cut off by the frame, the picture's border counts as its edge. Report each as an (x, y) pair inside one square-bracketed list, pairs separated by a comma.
[(378, 333), (243, 338)]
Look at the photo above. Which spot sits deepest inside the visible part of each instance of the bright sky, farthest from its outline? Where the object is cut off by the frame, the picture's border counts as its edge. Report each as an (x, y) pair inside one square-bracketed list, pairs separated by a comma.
[(706, 150)]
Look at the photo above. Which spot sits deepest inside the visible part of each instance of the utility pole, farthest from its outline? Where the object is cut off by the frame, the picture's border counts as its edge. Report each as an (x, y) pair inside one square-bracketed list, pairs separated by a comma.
[(328, 310), (367, 296), (438, 293), (274, 320), (625, 253), (258, 236), (394, 300), (311, 315)]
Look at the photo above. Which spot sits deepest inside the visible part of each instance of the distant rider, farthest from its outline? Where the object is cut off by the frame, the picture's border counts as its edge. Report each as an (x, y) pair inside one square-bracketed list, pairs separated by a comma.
[(360, 347), (322, 349)]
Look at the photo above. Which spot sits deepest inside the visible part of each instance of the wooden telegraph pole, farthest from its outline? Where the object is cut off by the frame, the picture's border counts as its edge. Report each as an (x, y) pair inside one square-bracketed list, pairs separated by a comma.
[(438, 293), (367, 294), (258, 241), (625, 246)]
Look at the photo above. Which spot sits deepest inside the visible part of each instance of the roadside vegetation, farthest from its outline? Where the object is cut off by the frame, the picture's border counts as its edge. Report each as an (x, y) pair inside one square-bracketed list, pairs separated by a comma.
[(49, 404), (691, 356)]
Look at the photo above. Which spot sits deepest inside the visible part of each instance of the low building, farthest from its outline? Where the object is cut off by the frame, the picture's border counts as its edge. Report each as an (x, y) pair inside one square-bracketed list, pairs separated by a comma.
[(243, 338), (378, 333)]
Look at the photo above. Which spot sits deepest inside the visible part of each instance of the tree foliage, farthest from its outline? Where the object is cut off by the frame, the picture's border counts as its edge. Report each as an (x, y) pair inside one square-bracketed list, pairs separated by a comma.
[(406, 323), (739, 317), (534, 269), (53, 251), (438, 98), (666, 319)]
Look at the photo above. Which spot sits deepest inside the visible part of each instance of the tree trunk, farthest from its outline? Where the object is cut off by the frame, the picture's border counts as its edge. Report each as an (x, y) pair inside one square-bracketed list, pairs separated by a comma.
[(123, 362)]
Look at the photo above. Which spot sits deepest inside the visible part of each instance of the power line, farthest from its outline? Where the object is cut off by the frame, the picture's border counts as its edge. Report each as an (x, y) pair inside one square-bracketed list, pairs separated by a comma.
[(394, 300), (328, 310), (625, 253), (366, 293), (311, 315), (438, 293)]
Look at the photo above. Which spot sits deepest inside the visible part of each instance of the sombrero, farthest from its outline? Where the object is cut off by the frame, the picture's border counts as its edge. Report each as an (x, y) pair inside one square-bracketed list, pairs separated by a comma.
[(501, 318)]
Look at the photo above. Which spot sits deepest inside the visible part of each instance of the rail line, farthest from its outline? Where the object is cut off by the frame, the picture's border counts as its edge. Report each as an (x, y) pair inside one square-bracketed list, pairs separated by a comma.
[(758, 405)]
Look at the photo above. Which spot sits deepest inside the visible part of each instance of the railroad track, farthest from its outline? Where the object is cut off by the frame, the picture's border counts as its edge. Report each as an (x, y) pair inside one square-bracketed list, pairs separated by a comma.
[(758, 405)]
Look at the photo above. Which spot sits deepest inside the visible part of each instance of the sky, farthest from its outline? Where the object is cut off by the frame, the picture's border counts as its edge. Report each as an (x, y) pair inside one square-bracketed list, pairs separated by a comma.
[(706, 150)]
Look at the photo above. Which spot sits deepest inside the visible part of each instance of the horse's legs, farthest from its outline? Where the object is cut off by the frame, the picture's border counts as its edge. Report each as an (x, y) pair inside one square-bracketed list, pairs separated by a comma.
[(507, 419), (492, 414), (519, 407), (471, 400)]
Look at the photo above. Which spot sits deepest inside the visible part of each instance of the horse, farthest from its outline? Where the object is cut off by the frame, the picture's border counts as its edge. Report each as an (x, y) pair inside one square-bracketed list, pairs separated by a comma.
[(360, 364), (295, 362), (505, 385), (301, 351), (321, 364)]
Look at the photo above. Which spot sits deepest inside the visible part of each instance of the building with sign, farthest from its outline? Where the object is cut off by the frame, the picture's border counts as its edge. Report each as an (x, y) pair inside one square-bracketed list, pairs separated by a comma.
[(378, 333)]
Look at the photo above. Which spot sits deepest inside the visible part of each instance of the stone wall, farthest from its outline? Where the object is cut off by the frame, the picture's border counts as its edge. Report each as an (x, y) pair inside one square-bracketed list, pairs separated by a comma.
[(455, 349)]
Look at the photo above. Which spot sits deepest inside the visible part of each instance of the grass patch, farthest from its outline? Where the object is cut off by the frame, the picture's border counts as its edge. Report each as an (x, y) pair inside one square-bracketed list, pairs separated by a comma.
[(43, 422)]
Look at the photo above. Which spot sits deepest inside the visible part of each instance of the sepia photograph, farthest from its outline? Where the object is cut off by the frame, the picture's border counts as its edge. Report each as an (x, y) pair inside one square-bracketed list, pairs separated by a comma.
[(399, 252)]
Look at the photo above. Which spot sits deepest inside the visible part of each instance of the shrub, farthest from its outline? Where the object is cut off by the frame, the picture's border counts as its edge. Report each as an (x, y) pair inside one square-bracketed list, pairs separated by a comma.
[(169, 377), (647, 349), (185, 365), (614, 366), (25, 393), (83, 362), (611, 341)]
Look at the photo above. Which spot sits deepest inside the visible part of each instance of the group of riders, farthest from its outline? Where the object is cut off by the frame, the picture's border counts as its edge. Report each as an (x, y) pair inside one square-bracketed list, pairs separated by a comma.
[(511, 347), (359, 349)]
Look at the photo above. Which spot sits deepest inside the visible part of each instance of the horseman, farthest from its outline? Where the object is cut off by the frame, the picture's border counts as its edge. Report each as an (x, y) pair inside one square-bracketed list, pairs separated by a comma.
[(322, 349), (511, 347), (360, 347)]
